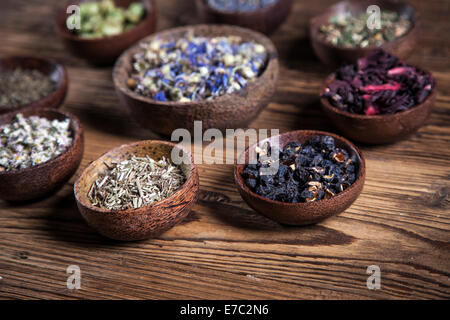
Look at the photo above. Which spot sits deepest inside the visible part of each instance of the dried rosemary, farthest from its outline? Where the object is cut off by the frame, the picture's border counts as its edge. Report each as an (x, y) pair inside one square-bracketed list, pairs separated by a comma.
[(136, 182)]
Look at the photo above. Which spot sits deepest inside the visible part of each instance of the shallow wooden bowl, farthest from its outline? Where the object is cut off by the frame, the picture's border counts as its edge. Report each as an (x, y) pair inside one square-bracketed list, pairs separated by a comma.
[(333, 55), (46, 178), (380, 128), (104, 51), (55, 71), (145, 222), (308, 212), (265, 20), (234, 110)]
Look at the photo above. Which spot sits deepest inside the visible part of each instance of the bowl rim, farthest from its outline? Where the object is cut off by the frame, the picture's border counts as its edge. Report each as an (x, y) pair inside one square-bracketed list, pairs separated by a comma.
[(326, 104), (149, 17), (60, 86), (260, 11), (313, 25), (77, 136), (239, 180), (80, 199), (272, 62)]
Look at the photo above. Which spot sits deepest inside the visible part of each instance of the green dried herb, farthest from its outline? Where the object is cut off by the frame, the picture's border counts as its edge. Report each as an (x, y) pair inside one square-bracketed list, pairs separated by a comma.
[(136, 182), (104, 18), (351, 30), (23, 86)]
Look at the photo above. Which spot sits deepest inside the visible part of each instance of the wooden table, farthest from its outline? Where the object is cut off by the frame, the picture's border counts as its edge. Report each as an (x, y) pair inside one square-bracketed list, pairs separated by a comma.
[(401, 221)]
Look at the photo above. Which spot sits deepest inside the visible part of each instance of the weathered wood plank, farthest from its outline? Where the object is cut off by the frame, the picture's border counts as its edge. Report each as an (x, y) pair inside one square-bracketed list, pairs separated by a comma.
[(401, 221)]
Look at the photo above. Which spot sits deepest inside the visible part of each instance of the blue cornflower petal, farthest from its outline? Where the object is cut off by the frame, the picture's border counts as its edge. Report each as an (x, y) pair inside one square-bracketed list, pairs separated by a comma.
[(160, 96), (225, 80)]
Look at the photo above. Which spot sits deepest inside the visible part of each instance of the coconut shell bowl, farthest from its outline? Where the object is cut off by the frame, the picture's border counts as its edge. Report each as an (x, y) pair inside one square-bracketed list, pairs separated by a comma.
[(55, 71), (379, 128), (265, 20), (46, 178), (302, 213), (105, 50), (147, 221), (334, 55), (235, 110)]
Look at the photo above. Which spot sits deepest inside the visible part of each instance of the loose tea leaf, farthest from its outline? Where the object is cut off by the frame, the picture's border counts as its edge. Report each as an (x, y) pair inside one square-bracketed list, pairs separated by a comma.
[(350, 29), (27, 142), (310, 172), (136, 182), (23, 86), (240, 5), (378, 84), (193, 68), (103, 18)]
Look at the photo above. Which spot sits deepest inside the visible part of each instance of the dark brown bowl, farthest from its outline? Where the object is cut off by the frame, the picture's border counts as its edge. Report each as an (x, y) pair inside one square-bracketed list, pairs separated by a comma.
[(55, 71), (46, 178), (145, 222), (234, 110), (265, 20), (307, 212), (104, 51), (378, 129), (333, 55)]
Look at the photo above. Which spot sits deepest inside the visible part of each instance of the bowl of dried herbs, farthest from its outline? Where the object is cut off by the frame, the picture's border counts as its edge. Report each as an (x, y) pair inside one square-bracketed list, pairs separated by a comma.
[(30, 83), (40, 150), (380, 99), (221, 75), (300, 177), (264, 16), (137, 191), (353, 29), (100, 30)]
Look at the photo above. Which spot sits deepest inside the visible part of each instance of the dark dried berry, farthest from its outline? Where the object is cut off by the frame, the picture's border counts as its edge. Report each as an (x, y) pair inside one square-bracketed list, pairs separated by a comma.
[(301, 160), (284, 173), (306, 194), (310, 172), (251, 183), (250, 171), (317, 160), (327, 142), (301, 175)]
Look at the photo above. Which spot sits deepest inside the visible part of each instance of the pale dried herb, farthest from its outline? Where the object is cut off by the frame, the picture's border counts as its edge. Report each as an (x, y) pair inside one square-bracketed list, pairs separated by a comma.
[(27, 142), (23, 86), (136, 182)]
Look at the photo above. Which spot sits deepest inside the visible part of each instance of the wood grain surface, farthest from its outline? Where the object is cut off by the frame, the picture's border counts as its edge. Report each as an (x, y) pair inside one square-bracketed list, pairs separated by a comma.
[(224, 250)]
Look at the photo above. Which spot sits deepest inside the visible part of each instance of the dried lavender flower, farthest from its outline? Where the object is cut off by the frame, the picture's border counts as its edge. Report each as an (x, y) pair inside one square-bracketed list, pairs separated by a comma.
[(135, 182), (193, 68), (27, 142)]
